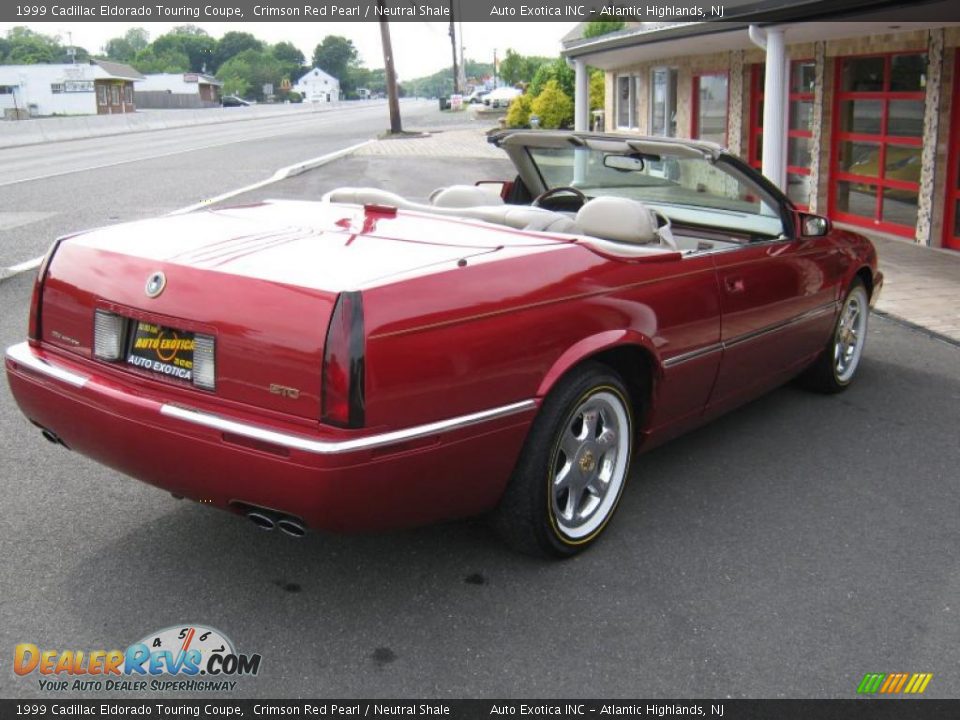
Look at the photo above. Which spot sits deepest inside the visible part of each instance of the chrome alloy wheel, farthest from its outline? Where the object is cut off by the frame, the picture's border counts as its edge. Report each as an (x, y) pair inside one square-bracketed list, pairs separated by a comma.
[(850, 335), (590, 464)]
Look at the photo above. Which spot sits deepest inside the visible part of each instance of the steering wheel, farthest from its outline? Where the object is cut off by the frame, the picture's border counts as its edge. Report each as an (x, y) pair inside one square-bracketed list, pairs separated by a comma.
[(538, 200)]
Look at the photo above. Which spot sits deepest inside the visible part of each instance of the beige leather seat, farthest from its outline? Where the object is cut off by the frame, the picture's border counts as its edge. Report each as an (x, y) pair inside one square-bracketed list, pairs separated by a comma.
[(619, 219), (461, 196)]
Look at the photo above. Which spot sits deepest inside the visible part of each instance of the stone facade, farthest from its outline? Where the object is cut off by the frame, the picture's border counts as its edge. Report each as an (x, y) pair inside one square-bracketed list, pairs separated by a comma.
[(940, 45)]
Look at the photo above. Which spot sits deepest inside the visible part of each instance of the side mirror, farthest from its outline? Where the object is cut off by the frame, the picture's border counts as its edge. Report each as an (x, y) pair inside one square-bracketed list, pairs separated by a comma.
[(814, 225)]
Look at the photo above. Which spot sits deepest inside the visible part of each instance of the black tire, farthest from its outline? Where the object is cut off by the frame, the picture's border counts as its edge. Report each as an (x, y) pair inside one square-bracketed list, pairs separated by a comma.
[(828, 374), (577, 456)]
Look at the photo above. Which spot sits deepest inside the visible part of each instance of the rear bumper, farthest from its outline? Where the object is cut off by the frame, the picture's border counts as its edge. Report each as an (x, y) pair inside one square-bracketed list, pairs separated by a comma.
[(339, 480)]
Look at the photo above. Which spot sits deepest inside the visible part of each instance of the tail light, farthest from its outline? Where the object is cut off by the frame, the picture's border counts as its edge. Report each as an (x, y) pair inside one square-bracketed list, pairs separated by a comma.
[(343, 360), (204, 367), (33, 329), (108, 333)]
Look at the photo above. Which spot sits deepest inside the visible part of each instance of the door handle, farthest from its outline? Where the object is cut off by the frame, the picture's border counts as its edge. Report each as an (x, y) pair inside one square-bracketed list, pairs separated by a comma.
[(733, 284)]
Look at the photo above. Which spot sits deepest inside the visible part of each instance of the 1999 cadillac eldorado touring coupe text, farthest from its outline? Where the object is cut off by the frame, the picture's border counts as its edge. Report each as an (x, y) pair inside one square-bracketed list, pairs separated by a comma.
[(364, 362)]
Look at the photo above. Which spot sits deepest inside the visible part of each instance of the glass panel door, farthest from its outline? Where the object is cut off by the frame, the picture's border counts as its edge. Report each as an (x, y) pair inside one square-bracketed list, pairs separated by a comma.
[(878, 138)]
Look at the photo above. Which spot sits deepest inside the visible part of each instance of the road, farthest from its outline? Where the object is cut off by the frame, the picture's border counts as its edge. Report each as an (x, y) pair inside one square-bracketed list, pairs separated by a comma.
[(782, 551), (86, 183)]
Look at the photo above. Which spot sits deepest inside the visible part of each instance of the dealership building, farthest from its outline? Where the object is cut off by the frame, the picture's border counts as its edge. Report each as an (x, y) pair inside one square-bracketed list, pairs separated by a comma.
[(95, 88), (856, 118)]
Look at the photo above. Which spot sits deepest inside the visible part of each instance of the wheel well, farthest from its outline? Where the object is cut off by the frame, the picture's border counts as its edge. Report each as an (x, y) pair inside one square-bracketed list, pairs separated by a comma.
[(636, 366), (867, 277)]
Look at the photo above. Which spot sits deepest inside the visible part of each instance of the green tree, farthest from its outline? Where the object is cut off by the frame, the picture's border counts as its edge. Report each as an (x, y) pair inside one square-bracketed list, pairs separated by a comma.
[(290, 58), (557, 70), (553, 106), (596, 28), (26, 47), (231, 44), (335, 55), (246, 74), (192, 42), (170, 60), (125, 48)]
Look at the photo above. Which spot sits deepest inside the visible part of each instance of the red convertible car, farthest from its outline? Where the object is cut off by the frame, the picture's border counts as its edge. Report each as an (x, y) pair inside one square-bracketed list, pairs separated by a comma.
[(365, 362)]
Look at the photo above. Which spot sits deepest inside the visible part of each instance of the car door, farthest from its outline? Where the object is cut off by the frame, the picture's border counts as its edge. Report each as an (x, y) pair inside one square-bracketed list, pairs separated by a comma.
[(778, 302)]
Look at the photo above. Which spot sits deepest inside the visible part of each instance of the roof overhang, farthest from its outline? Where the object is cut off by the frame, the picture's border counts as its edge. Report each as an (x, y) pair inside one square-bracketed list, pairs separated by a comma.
[(803, 22)]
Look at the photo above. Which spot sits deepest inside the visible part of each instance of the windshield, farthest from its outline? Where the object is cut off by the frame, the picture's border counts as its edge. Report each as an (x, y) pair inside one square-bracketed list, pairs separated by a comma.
[(684, 188)]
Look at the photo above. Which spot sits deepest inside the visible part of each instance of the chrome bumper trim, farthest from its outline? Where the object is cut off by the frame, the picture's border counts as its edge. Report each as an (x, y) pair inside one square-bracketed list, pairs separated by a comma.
[(21, 354), (334, 447)]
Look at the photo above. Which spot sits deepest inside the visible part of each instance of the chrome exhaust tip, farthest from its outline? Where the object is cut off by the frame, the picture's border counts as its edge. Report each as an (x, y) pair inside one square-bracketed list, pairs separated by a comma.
[(264, 522), (291, 527), (52, 437)]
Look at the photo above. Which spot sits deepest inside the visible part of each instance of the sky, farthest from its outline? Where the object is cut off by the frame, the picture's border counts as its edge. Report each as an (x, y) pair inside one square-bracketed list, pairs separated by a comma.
[(419, 48)]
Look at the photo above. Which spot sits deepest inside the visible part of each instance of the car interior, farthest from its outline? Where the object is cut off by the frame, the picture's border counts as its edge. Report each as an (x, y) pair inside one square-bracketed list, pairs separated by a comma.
[(614, 225)]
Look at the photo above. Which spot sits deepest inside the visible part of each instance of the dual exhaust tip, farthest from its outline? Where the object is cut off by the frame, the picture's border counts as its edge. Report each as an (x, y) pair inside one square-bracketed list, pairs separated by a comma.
[(267, 520)]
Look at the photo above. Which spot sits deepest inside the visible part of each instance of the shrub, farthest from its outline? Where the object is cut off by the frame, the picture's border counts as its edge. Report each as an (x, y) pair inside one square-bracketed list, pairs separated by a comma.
[(553, 106), (597, 89), (518, 114)]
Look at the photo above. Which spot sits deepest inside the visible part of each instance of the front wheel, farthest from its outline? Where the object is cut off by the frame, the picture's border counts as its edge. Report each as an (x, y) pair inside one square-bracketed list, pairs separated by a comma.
[(836, 367), (571, 473)]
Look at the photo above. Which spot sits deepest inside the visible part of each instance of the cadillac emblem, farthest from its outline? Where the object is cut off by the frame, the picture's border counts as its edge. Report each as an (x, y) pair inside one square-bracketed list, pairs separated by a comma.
[(155, 284)]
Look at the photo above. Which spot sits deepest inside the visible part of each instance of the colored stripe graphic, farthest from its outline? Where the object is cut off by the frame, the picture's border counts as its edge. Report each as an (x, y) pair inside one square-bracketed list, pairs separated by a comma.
[(871, 683), (894, 683)]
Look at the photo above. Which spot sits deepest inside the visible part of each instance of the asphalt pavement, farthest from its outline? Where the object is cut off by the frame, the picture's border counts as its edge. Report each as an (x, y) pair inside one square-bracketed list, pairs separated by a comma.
[(785, 550)]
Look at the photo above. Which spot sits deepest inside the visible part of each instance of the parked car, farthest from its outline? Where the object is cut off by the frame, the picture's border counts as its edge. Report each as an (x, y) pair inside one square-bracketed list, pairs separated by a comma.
[(501, 97), (234, 101), (365, 362)]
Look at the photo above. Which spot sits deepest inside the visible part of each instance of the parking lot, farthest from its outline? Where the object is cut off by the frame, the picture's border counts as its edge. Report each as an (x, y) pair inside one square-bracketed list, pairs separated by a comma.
[(782, 551)]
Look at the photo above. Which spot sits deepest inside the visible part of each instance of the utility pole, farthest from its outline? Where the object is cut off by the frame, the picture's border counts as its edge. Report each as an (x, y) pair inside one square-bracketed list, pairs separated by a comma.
[(453, 46), (391, 76)]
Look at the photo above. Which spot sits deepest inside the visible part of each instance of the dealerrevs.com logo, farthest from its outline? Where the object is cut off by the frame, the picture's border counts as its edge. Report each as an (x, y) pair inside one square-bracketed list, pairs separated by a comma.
[(178, 658)]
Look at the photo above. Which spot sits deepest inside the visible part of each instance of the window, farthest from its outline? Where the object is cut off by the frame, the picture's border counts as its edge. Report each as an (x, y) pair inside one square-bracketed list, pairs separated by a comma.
[(128, 95), (663, 102), (626, 101), (878, 139), (56, 88), (114, 94), (710, 107), (101, 94), (687, 188), (799, 130)]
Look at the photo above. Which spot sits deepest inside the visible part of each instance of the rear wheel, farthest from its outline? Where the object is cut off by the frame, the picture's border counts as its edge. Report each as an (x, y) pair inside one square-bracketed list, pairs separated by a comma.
[(573, 467), (836, 367)]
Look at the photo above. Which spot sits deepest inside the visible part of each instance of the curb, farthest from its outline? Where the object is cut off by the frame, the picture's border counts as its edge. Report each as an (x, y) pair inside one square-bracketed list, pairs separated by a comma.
[(914, 326)]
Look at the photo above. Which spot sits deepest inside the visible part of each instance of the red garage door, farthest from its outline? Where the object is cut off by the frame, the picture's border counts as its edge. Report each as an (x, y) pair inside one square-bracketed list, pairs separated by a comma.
[(951, 230), (877, 141)]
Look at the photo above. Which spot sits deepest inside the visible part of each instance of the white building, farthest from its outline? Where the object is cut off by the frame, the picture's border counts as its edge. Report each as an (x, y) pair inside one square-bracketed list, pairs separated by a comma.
[(178, 90), (97, 87), (316, 86)]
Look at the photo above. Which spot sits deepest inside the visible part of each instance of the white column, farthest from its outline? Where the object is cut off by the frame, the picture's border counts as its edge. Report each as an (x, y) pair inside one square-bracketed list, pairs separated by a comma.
[(775, 104), (581, 97)]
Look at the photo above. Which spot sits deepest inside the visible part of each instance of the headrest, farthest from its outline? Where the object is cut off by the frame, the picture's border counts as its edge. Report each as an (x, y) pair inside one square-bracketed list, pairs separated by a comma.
[(461, 196), (619, 219)]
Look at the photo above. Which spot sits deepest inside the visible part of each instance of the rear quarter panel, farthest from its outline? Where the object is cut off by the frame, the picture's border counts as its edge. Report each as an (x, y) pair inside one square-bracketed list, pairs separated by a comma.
[(491, 333)]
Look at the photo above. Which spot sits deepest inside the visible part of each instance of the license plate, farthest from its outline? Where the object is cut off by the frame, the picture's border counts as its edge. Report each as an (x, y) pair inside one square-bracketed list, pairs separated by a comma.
[(162, 350)]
